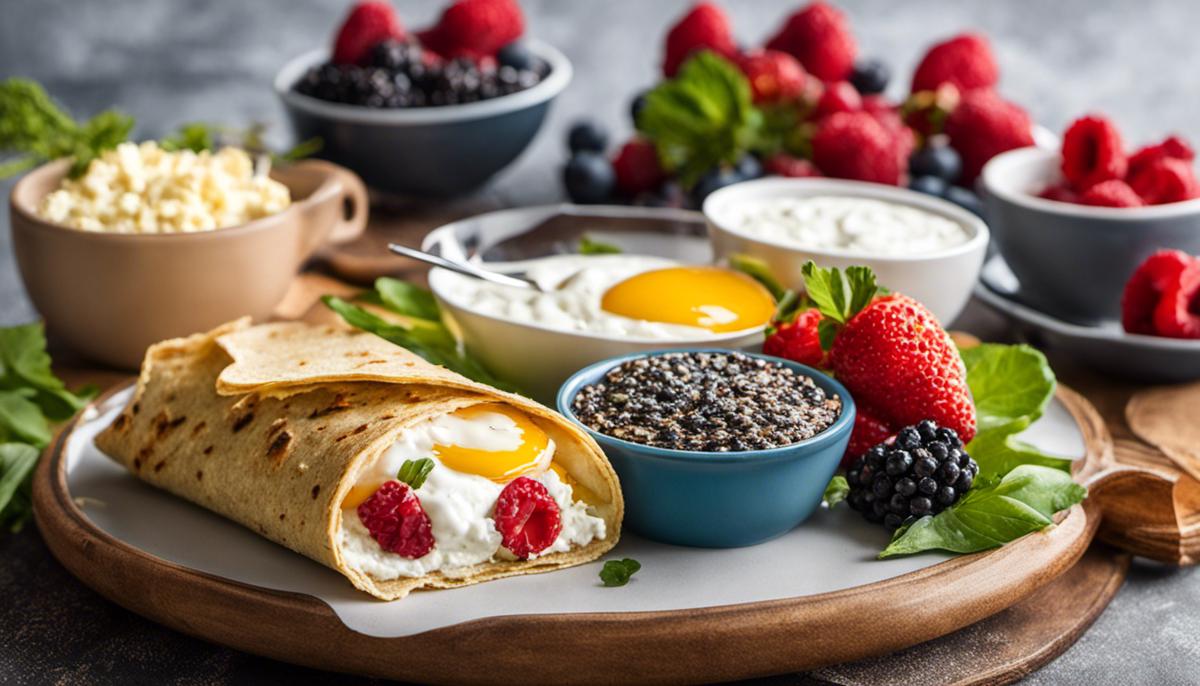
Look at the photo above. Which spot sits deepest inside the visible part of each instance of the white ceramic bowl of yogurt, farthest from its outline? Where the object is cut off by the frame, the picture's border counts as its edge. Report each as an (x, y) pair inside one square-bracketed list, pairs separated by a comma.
[(538, 340), (918, 245)]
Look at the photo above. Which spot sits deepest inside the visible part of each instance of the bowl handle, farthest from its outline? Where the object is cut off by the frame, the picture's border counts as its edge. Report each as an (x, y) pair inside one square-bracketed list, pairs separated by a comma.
[(340, 188)]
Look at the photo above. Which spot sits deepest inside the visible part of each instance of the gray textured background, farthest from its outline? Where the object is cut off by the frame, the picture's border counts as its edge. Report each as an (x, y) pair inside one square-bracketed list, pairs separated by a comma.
[(173, 61)]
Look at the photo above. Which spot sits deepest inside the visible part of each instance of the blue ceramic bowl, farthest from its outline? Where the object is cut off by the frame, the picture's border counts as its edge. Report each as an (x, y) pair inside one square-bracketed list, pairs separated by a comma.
[(719, 500), (423, 151)]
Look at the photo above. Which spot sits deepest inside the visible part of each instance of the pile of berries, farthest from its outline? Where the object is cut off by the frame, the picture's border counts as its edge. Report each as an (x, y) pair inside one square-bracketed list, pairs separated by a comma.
[(838, 122), (921, 471), (1162, 298), (473, 53), (1097, 171)]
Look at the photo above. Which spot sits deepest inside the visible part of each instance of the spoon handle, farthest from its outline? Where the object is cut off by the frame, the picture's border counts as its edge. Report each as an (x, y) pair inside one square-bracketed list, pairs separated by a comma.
[(463, 268)]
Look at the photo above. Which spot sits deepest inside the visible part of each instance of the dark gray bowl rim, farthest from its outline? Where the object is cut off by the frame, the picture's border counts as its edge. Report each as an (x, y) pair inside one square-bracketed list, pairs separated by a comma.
[(798, 450), (547, 89)]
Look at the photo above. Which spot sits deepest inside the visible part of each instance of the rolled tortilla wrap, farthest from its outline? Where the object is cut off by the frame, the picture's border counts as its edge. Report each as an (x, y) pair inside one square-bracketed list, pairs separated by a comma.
[(269, 426)]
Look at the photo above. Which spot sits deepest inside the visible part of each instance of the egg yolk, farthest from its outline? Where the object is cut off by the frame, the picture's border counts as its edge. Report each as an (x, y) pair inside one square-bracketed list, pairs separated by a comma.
[(710, 298), (498, 465)]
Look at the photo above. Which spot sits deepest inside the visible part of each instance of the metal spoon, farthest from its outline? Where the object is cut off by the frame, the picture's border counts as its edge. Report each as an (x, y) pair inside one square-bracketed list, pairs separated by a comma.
[(465, 268)]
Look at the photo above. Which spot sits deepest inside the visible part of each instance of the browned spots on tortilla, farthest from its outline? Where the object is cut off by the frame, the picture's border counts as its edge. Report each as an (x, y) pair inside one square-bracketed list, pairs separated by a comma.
[(199, 427), (348, 434), (282, 516), (387, 417), (357, 353), (158, 467), (316, 490), (322, 428), (278, 449), (208, 450), (242, 412), (302, 363), (338, 404), (137, 464), (121, 422), (170, 397), (199, 474), (144, 455), (137, 408), (276, 427), (241, 422), (163, 424), (273, 334)]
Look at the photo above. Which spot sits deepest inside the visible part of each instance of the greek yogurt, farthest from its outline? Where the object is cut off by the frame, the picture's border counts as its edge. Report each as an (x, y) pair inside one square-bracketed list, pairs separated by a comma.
[(851, 224)]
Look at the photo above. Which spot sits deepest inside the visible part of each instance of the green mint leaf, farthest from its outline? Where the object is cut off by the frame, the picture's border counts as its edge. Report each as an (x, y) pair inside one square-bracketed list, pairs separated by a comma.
[(1008, 382), (702, 118), (414, 472), (758, 270), (992, 514), (17, 461), (25, 364), (407, 299), (836, 491), (22, 420), (618, 572), (591, 246)]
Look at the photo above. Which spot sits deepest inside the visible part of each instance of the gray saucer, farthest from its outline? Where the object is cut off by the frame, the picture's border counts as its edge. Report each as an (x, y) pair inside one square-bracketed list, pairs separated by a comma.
[(1104, 346)]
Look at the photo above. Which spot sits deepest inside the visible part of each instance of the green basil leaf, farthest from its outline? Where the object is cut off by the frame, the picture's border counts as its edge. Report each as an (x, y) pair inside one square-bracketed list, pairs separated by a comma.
[(836, 491), (25, 364), (997, 450), (591, 246), (407, 299), (992, 514), (22, 420), (1008, 382), (17, 461), (618, 572), (414, 472)]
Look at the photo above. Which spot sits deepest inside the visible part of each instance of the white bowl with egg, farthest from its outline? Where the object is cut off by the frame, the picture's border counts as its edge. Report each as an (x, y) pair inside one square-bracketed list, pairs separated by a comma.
[(537, 340), (918, 245)]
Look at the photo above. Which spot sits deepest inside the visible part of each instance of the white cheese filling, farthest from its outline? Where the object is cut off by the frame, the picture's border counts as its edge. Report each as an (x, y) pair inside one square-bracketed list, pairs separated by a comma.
[(459, 506)]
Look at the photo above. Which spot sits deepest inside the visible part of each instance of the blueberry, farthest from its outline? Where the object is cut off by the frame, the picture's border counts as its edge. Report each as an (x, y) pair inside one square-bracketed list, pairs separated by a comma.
[(946, 495), (965, 199), (870, 76), (940, 161), (893, 521), (920, 505), (713, 180), (929, 185), (636, 106), (589, 178), (898, 462), (516, 55), (749, 168), (587, 136), (906, 486)]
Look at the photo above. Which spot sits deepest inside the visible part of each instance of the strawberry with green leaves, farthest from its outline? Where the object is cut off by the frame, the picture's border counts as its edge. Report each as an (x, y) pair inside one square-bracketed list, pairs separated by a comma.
[(890, 351)]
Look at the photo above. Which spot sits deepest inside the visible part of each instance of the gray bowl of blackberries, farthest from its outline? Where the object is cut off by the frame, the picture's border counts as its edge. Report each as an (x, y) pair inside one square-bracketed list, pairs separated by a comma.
[(426, 114)]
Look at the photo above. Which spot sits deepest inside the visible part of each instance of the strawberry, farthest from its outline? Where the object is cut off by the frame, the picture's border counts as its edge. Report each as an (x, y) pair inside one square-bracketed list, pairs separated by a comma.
[(705, 27), (1146, 287), (819, 36), (1178, 312), (984, 125), (637, 167), (838, 97), (475, 28), (1164, 180), (774, 76), (1173, 146), (965, 61), (1092, 152), (854, 145), (1111, 193), (869, 430), (797, 340), (368, 24), (891, 352), (783, 164)]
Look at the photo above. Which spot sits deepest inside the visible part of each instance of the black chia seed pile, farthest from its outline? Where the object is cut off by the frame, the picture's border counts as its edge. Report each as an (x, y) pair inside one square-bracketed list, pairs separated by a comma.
[(704, 401)]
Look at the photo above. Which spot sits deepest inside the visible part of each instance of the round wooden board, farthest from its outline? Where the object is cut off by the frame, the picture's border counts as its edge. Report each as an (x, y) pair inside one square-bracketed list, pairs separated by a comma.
[(702, 645)]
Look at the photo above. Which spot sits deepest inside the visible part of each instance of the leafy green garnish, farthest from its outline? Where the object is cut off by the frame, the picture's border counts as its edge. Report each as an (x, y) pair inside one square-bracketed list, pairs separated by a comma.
[(414, 472), (591, 246), (702, 118), (992, 514), (422, 332), (838, 295), (836, 491), (34, 130), (17, 461), (199, 136), (617, 572)]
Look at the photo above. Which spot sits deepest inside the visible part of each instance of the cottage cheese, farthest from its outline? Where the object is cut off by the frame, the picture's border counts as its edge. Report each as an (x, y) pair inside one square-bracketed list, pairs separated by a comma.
[(857, 225), (145, 189)]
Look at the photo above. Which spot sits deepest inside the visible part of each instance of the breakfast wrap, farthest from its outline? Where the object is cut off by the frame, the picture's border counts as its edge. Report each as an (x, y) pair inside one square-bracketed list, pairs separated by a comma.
[(357, 453)]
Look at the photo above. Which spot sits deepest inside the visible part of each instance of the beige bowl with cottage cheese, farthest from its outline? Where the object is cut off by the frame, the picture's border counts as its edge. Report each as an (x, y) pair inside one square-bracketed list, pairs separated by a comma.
[(918, 245)]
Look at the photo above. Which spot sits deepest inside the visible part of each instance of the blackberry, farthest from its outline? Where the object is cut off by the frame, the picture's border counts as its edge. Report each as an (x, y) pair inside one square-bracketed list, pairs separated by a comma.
[(922, 471)]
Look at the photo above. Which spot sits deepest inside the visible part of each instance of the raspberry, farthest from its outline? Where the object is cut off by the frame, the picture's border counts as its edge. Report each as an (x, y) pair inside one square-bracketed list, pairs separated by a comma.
[(527, 517), (965, 61), (783, 164), (869, 430), (838, 97), (1146, 286), (774, 76), (1111, 193), (367, 25), (637, 168), (396, 520), (1060, 192), (1178, 312), (984, 125), (819, 36), (797, 340), (1164, 180), (1173, 146), (853, 145), (475, 28), (1092, 152), (704, 27)]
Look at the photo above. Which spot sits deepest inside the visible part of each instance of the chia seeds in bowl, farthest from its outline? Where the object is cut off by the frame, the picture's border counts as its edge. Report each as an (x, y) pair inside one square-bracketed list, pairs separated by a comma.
[(706, 402)]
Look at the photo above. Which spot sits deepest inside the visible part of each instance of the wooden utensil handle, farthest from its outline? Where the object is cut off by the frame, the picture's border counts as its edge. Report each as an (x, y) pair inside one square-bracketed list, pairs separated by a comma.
[(1146, 512)]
